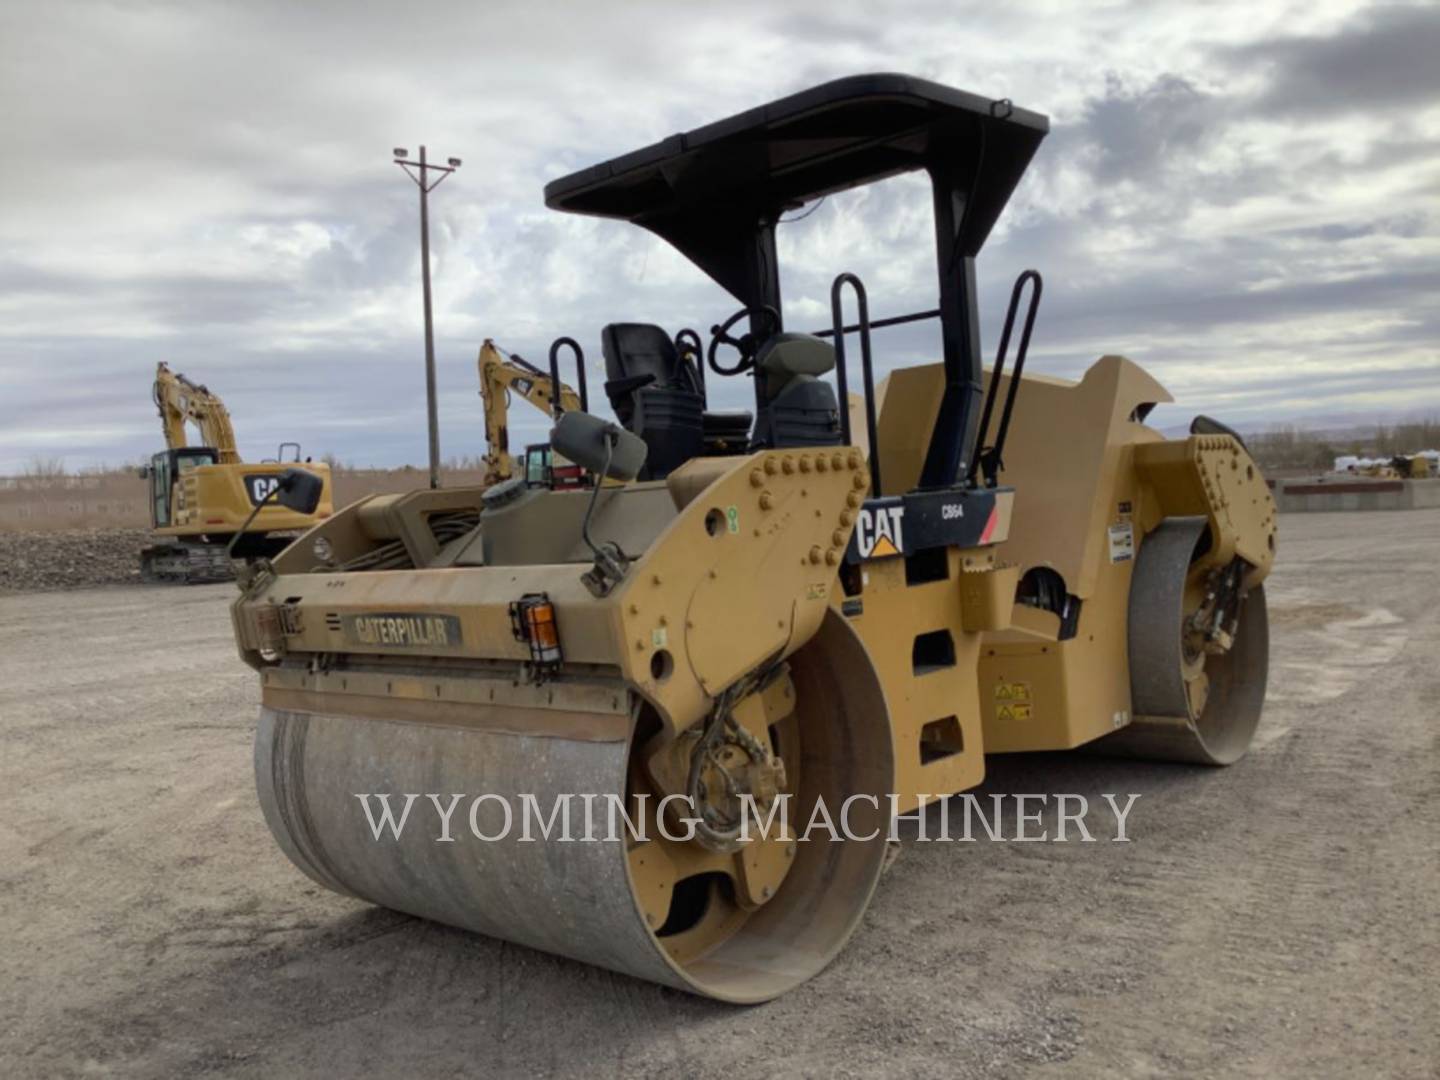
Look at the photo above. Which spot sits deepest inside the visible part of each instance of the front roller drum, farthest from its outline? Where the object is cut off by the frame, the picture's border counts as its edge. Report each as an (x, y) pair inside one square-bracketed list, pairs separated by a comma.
[(578, 899), (1188, 705)]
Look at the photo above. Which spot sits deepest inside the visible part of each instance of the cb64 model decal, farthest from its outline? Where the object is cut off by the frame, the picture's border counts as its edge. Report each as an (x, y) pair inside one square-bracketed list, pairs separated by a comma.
[(904, 524)]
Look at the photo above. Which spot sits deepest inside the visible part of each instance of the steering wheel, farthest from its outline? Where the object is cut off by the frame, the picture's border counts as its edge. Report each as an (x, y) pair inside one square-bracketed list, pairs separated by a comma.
[(745, 344)]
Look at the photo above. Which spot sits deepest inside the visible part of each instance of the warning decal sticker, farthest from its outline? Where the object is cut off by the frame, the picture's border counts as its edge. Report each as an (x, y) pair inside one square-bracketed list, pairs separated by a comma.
[(1122, 542), (1012, 701)]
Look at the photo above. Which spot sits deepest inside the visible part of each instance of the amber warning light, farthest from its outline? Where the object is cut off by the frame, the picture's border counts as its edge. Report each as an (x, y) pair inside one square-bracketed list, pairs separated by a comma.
[(532, 618)]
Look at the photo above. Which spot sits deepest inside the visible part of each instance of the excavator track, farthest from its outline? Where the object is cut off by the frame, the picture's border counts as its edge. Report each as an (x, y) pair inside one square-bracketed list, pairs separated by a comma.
[(186, 564)]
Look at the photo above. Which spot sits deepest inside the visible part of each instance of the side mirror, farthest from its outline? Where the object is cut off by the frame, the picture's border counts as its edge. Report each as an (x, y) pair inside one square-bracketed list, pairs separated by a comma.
[(299, 490), (592, 443), (295, 489)]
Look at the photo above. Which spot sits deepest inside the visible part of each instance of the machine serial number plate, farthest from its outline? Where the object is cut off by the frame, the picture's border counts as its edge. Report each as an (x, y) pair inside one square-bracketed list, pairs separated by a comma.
[(403, 630)]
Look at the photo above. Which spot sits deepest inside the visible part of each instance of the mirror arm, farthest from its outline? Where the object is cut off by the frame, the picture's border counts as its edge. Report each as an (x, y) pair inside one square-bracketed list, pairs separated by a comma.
[(230, 547), (611, 563)]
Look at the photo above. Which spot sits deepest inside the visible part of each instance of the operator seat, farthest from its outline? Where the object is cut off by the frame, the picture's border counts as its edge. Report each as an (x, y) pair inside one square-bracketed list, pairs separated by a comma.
[(654, 393), (800, 407)]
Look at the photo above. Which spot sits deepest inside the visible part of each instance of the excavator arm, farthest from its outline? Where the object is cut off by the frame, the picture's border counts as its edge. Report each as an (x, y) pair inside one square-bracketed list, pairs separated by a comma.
[(181, 401), (501, 376)]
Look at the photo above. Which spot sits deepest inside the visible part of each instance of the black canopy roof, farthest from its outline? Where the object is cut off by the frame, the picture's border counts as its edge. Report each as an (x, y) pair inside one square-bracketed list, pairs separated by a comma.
[(694, 187), (717, 192)]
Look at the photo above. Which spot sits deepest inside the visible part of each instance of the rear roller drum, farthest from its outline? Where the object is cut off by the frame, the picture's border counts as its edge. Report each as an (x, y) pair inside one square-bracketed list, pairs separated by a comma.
[(1197, 671), (740, 922)]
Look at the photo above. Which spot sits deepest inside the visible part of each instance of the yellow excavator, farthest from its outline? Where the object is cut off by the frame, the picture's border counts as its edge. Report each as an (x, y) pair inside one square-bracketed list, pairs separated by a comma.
[(503, 374), (206, 504), (835, 623)]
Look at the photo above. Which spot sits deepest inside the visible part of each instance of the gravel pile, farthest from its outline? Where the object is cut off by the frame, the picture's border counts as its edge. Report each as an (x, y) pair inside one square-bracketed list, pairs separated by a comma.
[(70, 559)]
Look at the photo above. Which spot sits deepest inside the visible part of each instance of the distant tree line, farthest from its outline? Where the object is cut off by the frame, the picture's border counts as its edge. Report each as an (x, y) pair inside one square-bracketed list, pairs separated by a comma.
[(1281, 447), (1291, 447)]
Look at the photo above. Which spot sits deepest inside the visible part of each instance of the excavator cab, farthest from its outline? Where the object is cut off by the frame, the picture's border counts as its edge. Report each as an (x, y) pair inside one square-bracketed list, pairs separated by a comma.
[(164, 470), (545, 469)]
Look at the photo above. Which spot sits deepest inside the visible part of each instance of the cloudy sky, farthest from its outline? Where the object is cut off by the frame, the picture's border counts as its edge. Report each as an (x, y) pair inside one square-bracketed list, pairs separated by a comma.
[(1242, 197)]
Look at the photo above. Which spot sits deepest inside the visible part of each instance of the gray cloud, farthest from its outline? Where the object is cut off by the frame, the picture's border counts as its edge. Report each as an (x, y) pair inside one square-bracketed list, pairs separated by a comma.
[(1136, 134), (1384, 59)]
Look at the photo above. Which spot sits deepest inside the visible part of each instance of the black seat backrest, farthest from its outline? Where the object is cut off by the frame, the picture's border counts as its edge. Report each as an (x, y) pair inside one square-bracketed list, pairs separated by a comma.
[(799, 407), (634, 351), (654, 393)]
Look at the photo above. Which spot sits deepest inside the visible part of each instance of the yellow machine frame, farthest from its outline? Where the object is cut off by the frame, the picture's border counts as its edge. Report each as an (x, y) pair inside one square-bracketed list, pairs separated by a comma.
[(853, 629)]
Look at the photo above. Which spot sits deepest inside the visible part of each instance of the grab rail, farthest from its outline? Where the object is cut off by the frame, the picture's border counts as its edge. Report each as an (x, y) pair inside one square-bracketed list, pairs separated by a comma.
[(991, 458), (555, 384), (697, 350), (838, 330)]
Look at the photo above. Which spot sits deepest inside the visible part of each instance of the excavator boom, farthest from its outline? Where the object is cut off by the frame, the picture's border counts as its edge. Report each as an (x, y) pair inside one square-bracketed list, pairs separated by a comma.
[(181, 401)]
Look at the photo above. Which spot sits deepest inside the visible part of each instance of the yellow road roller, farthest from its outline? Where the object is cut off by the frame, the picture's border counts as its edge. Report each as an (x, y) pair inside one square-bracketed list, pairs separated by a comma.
[(809, 606)]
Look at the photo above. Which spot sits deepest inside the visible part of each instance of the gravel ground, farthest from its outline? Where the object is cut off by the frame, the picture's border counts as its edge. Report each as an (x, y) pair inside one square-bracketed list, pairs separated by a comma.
[(70, 558), (1278, 918)]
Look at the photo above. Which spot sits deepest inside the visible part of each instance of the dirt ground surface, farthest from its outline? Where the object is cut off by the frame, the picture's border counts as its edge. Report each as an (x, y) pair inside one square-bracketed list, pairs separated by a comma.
[(1278, 918)]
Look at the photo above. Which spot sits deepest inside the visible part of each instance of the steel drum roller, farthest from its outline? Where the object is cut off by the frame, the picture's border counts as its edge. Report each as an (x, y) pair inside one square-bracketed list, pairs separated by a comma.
[(576, 899)]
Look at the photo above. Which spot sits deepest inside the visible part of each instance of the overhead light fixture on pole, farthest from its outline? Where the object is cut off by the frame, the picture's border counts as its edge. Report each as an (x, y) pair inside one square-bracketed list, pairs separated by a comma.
[(420, 171)]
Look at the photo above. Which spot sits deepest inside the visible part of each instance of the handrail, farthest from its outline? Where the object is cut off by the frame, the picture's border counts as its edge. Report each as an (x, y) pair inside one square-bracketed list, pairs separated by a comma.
[(681, 339), (555, 383), (866, 369), (880, 324), (991, 459)]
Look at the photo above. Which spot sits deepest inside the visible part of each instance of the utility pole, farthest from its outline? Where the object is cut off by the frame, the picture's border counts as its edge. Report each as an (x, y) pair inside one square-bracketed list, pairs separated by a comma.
[(420, 173)]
